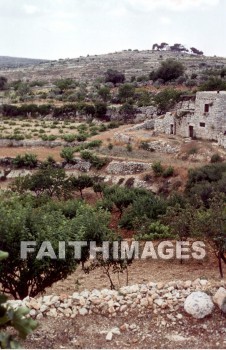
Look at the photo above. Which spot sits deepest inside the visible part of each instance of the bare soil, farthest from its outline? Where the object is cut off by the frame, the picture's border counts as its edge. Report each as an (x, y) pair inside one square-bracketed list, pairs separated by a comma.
[(85, 332)]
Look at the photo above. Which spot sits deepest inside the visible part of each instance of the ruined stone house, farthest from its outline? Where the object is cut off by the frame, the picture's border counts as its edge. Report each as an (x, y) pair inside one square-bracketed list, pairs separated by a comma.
[(198, 116)]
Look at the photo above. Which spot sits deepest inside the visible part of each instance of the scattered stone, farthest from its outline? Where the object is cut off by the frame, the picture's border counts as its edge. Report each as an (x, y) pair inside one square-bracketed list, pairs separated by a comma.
[(116, 331), (159, 302), (83, 311), (176, 337), (109, 336)]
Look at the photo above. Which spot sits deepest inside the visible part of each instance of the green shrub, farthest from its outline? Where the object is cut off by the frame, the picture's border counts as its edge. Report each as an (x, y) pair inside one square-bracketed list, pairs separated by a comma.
[(97, 162), (192, 150), (110, 146), (213, 84), (169, 69), (155, 231), (102, 128), (69, 137), (22, 277), (168, 172), (129, 147), (17, 137), (94, 144), (68, 154), (82, 128), (113, 125), (52, 137), (144, 145), (49, 162), (216, 158), (166, 99), (157, 168), (81, 137), (26, 160)]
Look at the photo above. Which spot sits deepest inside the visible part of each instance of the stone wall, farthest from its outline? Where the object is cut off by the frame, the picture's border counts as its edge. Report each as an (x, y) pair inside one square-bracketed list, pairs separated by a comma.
[(126, 168), (165, 124), (222, 140)]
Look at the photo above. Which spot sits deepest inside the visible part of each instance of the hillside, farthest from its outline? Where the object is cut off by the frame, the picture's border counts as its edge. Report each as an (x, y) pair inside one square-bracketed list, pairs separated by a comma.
[(132, 63), (15, 62)]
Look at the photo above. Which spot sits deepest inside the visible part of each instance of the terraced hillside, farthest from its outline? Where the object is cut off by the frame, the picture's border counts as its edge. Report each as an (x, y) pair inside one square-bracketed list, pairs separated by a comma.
[(132, 63)]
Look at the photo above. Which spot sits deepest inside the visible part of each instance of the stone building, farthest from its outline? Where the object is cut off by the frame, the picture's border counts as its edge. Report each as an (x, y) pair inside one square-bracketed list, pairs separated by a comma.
[(199, 116)]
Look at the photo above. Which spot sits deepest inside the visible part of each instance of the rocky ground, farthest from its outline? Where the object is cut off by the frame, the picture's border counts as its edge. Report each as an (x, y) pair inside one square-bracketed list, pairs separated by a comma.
[(148, 315)]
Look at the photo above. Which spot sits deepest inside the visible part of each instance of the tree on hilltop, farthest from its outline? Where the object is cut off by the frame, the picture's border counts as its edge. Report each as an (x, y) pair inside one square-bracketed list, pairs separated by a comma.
[(196, 51)]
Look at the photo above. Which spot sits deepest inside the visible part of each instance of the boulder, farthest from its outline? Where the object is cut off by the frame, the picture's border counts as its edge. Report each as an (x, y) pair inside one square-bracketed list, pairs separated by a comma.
[(198, 304), (220, 299)]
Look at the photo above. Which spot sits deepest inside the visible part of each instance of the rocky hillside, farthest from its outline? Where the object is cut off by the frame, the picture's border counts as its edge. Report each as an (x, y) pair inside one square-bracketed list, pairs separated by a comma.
[(16, 62), (132, 63)]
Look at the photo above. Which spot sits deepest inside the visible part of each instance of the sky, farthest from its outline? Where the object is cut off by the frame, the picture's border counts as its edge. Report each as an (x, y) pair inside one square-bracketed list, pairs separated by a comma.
[(54, 29)]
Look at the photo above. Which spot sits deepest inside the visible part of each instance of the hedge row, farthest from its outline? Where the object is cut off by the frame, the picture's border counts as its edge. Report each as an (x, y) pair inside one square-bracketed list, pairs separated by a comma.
[(99, 110)]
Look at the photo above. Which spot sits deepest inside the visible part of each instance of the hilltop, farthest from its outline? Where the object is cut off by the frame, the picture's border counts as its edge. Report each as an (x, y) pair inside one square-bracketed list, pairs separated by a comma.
[(16, 62), (131, 63)]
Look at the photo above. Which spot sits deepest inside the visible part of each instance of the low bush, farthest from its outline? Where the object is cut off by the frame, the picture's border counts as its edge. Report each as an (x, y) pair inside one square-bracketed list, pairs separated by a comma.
[(216, 158), (157, 168), (97, 162), (27, 160), (168, 172), (67, 153), (69, 137)]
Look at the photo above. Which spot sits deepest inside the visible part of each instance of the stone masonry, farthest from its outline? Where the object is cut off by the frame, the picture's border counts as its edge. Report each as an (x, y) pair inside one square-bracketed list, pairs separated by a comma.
[(205, 119)]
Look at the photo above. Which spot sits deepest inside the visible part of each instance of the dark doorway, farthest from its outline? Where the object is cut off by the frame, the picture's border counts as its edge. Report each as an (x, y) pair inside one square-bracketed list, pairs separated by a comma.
[(191, 131), (206, 108), (171, 129)]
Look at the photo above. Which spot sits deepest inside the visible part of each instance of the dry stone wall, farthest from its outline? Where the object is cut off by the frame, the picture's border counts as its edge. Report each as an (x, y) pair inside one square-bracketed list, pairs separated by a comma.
[(127, 168), (153, 297)]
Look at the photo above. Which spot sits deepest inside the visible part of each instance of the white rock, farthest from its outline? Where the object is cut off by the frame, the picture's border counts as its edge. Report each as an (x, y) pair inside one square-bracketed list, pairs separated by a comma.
[(39, 316), (123, 308), (46, 298), (187, 284), (83, 311), (109, 336), (220, 298), (175, 337), (52, 313), (76, 295), (43, 308), (54, 299), (198, 304), (32, 312), (144, 302), (179, 316), (203, 282), (85, 294), (158, 302), (116, 331)]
